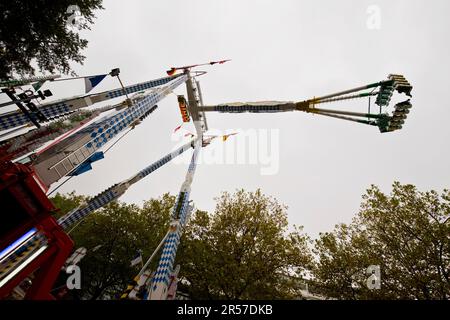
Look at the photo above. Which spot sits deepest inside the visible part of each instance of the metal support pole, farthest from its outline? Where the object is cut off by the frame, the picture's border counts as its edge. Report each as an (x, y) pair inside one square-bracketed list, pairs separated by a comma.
[(160, 282), (347, 113), (145, 266), (24, 81), (372, 123), (97, 202), (30, 116), (369, 86)]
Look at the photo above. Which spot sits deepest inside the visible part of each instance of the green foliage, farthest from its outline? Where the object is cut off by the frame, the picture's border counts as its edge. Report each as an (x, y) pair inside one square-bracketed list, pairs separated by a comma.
[(113, 235), (67, 202), (70, 121), (406, 233), (242, 251), (35, 31), (80, 116)]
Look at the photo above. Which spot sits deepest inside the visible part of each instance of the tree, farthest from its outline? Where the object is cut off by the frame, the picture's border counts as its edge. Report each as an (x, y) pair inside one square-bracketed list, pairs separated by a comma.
[(243, 250), (406, 233), (36, 31), (113, 235), (65, 203)]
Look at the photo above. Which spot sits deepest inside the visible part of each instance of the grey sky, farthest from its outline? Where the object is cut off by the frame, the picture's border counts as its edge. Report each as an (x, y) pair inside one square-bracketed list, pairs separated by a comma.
[(281, 50)]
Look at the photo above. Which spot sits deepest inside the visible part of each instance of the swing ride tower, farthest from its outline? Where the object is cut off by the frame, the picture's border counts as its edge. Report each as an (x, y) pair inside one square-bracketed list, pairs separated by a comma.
[(34, 245)]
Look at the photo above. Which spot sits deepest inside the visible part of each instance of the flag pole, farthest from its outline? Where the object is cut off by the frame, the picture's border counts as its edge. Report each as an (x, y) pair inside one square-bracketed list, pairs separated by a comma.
[(25, 81), (115, 73), (74, 78)]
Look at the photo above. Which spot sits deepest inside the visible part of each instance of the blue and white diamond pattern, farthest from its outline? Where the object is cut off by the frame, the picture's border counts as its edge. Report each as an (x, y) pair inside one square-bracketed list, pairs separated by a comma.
[(58, 109), (111, 194), (170, 246), (248, 108), (16, 119), (104, 130), (160, 281), (140, 87), (96, 203)]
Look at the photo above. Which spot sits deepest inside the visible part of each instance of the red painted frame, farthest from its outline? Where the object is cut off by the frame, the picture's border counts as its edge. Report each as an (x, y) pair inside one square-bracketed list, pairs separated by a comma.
[(18, 182)]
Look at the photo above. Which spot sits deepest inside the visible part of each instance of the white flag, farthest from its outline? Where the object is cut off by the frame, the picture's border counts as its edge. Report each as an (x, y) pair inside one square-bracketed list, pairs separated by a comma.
[(91, 82), (137, 259)]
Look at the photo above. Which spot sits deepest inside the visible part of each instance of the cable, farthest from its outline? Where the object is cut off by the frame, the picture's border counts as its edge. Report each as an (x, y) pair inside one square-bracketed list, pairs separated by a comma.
[(117, 141), (79, 222), (60, 185)]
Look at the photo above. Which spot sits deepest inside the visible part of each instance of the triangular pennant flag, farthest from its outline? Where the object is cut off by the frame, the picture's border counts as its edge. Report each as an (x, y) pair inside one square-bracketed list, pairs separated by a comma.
[(177, 128), (171, 72), (225, 137), (137, 259), (91, 82), (37, 85), (219, 62)]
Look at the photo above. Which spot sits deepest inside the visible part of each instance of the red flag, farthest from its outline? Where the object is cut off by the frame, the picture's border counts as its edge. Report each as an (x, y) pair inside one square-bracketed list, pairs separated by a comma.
[(174, 69), (225, 137), (171, 72), (177, 128)]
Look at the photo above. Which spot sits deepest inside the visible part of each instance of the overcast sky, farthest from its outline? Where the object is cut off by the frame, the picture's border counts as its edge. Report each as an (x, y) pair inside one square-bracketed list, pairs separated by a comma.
[(280, 50)]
